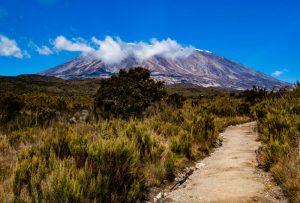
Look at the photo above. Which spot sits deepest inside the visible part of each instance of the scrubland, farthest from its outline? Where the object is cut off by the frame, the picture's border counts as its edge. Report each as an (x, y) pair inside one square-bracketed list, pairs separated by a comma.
[(278, 119), (120, 149)]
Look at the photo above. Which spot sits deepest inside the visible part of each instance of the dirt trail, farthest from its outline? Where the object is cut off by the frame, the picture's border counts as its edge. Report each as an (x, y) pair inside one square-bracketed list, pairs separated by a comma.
[(230, 174)]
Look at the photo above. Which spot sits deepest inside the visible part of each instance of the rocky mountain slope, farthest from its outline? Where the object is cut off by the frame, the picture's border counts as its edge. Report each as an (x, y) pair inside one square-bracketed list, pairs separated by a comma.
[(201, 68)]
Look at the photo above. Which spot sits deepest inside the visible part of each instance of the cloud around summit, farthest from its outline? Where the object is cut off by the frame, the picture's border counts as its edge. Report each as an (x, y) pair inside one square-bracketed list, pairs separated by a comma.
[(110, 50), (113, 50)]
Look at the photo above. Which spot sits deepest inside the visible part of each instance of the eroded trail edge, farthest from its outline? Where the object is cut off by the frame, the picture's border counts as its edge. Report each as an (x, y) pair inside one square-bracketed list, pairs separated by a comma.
[(230, 174)]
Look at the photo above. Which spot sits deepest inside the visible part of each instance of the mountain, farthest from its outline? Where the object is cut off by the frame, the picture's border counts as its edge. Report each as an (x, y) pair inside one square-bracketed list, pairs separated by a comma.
[(201, 68)]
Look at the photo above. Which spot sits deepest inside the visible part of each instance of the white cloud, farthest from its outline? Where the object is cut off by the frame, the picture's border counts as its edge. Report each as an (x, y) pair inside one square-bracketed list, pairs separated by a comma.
[(279, 72), (115, 50), (112, 50), (63, 44), (168, 48), (109, 50), (44, 50), (9, 47)]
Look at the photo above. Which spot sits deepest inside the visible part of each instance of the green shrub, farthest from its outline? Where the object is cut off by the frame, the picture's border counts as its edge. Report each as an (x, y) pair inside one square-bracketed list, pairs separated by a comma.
[(278, 124), (169, 165), (182, 144), (118, 163), (113, 160), (63, 185), (142, 137), (272, 153), (176, 100), (127, 94), (66, 167)]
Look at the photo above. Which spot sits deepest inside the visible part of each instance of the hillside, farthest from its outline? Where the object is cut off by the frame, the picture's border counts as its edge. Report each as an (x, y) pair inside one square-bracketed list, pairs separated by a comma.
[(88, 87), (53, 131), (201, 68)]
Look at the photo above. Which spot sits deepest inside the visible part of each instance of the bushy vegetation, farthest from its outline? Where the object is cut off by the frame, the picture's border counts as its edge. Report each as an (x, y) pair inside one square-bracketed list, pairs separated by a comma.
[(138, 138), (38, 109), (128, 94), (110, 160), (25, 84), (279, 129)]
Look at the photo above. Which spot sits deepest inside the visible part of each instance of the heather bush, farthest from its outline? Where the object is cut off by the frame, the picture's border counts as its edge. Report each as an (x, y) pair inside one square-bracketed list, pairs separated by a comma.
[(66, 166), (116, 159), (169, 165), (127, 94), (18, 112), (111, 160), (279, 125), (182, 144)]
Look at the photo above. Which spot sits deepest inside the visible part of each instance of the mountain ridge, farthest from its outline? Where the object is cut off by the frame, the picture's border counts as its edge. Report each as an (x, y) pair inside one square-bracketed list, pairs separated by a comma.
[(201, 68)]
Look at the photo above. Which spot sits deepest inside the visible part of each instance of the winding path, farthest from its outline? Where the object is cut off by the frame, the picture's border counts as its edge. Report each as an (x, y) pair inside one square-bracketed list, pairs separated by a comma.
[(230, 174)]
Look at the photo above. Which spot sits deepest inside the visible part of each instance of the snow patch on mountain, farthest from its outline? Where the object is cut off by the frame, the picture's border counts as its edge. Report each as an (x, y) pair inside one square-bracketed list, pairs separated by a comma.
[(202, 68)]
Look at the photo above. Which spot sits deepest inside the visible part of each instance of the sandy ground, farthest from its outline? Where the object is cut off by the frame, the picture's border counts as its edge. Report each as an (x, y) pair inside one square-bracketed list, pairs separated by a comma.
[(230, 174)]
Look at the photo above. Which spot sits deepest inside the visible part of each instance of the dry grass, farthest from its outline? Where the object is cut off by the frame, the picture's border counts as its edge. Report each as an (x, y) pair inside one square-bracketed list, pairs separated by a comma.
[(39, 163), (279, 126)]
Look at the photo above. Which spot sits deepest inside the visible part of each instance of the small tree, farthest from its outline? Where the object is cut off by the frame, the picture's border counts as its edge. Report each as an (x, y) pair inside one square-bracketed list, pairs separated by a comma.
[(127, 94)]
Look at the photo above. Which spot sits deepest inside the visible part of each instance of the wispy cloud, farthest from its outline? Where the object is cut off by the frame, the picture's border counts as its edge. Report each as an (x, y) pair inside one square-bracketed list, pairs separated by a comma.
[(278, 73), (42, 50), (113, 50), (63, 44), (9, 47)]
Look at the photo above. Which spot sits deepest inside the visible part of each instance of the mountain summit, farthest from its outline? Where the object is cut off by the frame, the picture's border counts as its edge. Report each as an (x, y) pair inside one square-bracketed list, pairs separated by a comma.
[(201, 68)]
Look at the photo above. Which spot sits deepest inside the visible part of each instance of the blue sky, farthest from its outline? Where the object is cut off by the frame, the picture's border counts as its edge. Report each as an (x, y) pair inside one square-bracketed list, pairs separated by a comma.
[(262, 34)]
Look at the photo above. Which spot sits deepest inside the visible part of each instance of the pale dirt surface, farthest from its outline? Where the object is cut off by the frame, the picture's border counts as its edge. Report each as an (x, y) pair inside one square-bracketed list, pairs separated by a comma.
[(230, 174)]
